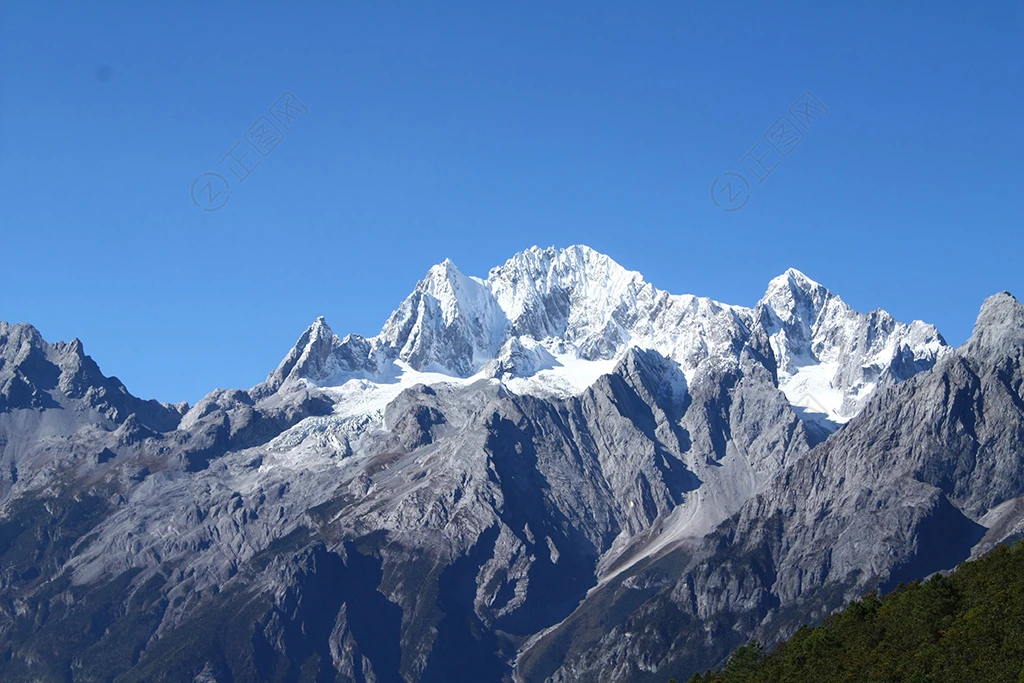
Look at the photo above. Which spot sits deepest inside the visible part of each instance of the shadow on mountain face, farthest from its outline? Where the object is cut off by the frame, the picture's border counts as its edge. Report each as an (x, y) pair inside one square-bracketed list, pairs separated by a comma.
[(817, 425), (465, 650), (661, 379), (376, 622), (304, 621), (558, 582), (944, 540)]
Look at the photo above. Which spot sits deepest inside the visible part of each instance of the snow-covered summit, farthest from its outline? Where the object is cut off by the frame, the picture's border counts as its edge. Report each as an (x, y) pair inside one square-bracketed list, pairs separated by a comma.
[(451, 323), (562, 292), (551, 321), (829, 357)]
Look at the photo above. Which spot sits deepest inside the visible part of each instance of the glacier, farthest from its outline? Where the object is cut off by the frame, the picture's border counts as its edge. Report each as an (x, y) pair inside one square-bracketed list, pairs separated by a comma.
[(550, 322)]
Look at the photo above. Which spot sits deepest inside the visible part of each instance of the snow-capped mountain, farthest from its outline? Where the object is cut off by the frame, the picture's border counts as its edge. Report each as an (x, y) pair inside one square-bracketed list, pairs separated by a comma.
[(551, 321), (831, 358), (929, 475), (555, 473)]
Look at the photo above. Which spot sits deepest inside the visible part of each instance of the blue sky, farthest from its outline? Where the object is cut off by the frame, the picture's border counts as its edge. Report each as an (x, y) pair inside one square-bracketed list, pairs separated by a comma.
[(472, 131)]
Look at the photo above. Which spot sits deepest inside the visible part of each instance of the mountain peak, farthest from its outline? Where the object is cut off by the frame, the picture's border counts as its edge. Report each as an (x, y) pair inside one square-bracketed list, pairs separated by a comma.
[(1000, 311), (445, 268), (545, 292), (311, 356), (37, 374), (576, 257), (567, 307), (795, 299), (320, 327), (793, 280), (1001, 301), (15, 335), (1000, 324)]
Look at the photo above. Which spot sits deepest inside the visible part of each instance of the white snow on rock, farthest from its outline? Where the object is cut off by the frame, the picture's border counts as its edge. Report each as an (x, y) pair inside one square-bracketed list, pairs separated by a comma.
[(550, 322), (830, 358)]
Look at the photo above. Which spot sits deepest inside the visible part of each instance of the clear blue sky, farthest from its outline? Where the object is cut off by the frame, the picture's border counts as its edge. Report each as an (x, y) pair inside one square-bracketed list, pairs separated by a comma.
[(469, 131)]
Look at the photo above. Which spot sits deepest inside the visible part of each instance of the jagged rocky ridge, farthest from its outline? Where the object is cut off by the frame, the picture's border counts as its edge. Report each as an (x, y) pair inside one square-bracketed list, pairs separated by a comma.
[(929, 474), (428, 503), (542, 311)]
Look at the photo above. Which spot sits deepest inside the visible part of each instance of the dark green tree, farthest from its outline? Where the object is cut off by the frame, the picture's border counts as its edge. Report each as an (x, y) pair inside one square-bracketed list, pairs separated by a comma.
[(968, 626)]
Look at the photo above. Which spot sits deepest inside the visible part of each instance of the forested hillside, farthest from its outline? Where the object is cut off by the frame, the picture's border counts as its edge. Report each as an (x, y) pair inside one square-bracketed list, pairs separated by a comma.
[(968, 626)]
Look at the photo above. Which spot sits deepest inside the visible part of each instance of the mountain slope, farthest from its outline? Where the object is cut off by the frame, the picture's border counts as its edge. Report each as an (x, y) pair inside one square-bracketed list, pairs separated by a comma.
[(445, 498), (911, 486)]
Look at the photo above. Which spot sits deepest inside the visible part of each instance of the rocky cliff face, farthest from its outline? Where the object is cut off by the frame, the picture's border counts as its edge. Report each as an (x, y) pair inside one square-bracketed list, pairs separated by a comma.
[(520, 476), (929, 472)]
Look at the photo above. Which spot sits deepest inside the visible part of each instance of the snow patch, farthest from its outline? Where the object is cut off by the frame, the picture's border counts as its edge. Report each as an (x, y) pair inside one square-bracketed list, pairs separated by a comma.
[(811, 390)]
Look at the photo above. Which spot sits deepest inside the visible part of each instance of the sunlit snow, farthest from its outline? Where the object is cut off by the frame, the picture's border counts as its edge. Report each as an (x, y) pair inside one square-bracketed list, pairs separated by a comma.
[(550, 322)]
